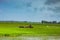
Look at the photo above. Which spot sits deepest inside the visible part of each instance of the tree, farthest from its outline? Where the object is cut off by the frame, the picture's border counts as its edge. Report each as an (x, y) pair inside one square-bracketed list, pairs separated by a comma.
[(58, 22), (54, 22), (44, 21)]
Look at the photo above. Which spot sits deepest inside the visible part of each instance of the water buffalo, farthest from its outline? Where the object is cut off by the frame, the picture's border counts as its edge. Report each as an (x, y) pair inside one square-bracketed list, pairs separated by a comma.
[(21, 26), (29, 26)]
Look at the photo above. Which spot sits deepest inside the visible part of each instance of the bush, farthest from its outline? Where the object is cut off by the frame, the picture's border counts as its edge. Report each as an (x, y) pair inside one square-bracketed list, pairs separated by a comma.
[(6, 35)]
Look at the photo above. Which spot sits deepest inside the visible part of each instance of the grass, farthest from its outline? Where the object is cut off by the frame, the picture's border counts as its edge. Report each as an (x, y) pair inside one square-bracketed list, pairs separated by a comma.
[(12, 29)]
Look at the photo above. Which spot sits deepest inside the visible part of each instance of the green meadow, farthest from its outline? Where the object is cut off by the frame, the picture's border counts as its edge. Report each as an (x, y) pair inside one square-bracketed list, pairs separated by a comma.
[(39, 29)]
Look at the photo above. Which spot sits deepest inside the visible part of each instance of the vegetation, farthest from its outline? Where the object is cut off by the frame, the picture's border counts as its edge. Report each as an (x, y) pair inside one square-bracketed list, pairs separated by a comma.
[(50, 22), (12, 29)]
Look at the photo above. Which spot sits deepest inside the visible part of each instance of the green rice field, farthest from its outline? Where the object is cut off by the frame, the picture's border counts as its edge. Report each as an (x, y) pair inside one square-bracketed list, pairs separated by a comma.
[(12, 29)]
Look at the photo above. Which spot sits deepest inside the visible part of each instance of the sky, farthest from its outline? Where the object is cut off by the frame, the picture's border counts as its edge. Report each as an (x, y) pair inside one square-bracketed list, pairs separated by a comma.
[(29, 10)]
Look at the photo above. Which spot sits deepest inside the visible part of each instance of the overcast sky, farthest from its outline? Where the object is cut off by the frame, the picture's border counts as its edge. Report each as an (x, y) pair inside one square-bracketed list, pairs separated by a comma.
[(29, 10)]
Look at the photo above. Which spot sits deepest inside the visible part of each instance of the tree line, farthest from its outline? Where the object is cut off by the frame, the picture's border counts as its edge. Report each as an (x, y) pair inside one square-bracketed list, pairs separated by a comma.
[(43, 21), (50, 22)]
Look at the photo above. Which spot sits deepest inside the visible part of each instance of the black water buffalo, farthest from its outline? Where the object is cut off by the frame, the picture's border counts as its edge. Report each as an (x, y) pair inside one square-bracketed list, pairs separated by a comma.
[(21, 26), (29, 26)]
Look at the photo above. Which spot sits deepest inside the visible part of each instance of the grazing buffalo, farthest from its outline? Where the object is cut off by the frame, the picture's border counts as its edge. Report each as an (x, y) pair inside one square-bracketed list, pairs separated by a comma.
[(29, 26), (21, 26)]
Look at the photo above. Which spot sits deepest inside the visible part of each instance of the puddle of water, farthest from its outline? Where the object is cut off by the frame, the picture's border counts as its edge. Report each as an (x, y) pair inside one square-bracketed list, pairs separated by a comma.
[(30, 38)]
